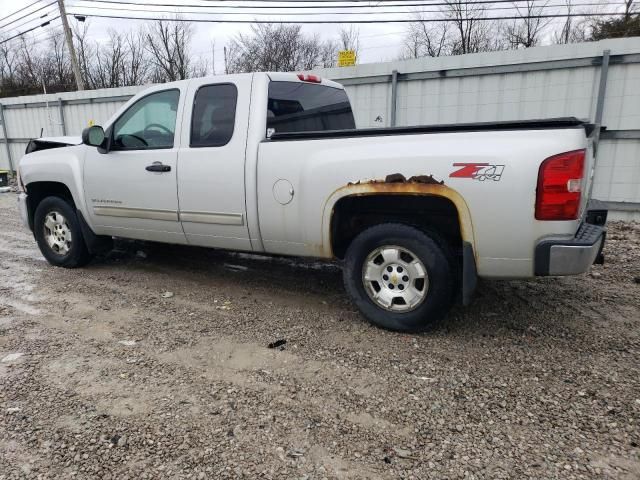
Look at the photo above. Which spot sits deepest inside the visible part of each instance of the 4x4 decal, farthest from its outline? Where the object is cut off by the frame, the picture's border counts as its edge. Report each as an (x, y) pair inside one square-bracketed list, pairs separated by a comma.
[(478, 171)]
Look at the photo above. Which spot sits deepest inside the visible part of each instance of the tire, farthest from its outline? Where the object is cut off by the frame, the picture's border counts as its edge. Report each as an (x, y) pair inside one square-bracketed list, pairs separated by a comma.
[(58, 234), (398, 246)]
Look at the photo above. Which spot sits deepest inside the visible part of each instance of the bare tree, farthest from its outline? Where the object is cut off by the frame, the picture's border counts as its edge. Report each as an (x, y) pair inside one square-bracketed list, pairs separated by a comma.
[(349, 39), (629, 7), (55, 70), (168, 44), (525, 32), (137, 66), (472, 33), (109, 62), (425, 39), (572, 31), (200, 67), (9, 62), (277, 48), (27, 65), (121, 61), (8, 59), (85, 51), (29, 69), (328, 54), (460, 27)]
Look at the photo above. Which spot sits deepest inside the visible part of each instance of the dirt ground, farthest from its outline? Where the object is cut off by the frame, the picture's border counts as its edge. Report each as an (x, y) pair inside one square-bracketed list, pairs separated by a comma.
[(155, 363)]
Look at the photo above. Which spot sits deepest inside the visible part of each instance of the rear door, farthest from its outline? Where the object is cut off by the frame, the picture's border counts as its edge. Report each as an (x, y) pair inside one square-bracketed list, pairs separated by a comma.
[(211, 186)]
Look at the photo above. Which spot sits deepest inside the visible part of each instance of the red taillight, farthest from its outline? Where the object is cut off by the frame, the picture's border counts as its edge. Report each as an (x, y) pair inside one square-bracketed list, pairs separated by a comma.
[(560, 186), (309, 78)]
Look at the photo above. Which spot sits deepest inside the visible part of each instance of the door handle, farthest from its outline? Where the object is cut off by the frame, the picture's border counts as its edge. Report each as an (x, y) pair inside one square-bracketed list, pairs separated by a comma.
[(158, 167)]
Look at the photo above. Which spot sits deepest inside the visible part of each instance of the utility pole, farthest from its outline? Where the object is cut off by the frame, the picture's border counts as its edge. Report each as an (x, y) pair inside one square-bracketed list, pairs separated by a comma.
[(72, 50), (213, 57)]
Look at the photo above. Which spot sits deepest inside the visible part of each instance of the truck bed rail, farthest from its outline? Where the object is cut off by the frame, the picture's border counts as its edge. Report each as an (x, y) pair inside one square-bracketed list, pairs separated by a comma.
[(551, 123)]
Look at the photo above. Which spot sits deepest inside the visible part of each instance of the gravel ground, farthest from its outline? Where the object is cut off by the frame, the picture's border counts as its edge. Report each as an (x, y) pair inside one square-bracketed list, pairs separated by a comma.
[(155, 363)]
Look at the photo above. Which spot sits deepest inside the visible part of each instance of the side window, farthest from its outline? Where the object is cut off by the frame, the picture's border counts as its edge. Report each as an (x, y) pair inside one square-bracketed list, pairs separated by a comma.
[(214, 115), (149, 123), (306, 107)]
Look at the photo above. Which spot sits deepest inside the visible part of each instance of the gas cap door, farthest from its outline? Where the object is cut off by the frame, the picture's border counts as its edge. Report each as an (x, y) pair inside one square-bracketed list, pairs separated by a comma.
[(283, 191)]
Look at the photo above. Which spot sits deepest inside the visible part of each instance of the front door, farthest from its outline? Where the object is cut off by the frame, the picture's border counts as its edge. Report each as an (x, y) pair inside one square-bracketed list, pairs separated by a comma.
[(131, 190), (211, 184)]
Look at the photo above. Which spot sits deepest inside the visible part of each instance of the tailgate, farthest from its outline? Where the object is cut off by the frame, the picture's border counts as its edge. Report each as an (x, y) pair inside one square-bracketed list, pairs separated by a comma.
[(589, 170)]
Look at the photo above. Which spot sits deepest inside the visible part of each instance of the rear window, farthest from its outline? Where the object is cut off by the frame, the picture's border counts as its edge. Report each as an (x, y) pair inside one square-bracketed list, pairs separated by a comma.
[(214, 115), (307, 107)]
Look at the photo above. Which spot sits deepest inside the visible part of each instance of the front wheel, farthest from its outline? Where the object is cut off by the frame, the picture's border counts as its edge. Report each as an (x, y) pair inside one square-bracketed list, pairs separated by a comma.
[(399, 277), (58, 234)]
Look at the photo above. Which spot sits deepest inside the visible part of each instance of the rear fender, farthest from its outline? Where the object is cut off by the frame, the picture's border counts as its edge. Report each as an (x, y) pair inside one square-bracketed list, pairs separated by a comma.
[(469, 251), (405, 188)]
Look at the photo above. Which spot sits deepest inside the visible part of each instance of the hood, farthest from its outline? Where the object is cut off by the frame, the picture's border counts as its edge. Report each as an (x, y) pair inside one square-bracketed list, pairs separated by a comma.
[(45, 143)]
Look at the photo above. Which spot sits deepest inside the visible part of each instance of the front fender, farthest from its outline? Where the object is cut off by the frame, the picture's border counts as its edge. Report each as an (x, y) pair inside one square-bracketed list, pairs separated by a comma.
[(60, 165)]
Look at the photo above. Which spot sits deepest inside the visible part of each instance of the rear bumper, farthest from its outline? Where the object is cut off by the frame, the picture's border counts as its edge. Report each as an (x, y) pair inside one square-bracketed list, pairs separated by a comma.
[(574, 256), (24, 210)]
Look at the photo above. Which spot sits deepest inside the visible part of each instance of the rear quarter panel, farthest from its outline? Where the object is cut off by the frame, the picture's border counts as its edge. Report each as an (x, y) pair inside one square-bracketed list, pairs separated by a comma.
[(504, 231)]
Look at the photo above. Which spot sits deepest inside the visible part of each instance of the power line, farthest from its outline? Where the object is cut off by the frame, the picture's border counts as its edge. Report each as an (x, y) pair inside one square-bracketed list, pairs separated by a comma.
[(17, 27), (377, 2), (26, 15), (20, 10), (309, 21), (320, 22), (45, 35), (29, 30), (423, 3), (304, 14)]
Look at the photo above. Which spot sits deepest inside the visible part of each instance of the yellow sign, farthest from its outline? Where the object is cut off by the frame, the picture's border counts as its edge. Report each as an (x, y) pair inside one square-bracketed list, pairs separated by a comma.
[(346, 58)]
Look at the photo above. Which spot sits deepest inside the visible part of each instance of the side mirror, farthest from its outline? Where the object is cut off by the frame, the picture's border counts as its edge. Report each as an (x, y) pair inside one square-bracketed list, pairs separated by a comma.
[(93, 136)]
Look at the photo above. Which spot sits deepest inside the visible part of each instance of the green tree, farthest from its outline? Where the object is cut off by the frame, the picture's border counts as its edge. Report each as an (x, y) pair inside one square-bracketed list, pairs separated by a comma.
[(616, 28), (627, 26)]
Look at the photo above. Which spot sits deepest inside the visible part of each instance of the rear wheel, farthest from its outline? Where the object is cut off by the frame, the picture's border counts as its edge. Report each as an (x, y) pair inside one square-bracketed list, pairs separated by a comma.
[(58, 233), (399, 277)]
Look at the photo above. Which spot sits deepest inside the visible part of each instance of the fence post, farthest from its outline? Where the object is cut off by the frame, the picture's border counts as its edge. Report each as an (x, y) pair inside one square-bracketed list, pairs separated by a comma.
[(61, 110), (5, 136), (602, 90), (394, 96)]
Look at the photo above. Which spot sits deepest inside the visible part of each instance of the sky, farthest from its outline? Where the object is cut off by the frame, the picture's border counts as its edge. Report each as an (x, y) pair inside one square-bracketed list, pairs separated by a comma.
[(378, 42)]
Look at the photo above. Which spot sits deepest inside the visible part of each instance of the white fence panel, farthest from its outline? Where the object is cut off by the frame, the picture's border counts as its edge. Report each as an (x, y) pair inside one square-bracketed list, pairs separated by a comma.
[(39, 115)]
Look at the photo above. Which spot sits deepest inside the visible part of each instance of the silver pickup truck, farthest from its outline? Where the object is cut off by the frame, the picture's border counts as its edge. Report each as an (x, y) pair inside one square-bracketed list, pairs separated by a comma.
[(272, 163)]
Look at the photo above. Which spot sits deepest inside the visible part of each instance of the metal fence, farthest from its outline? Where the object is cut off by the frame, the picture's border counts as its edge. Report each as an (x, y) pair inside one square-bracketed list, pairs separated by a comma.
[(597, 81), (51, 115)]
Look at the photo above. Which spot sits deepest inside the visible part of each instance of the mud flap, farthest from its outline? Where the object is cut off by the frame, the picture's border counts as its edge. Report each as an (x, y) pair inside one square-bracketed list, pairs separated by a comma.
[(469, 273), (95, 243)]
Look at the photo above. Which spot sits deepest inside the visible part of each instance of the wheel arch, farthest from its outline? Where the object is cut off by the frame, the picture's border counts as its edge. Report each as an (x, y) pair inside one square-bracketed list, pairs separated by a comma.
[(435, 194), (416, 190), (39, 190)]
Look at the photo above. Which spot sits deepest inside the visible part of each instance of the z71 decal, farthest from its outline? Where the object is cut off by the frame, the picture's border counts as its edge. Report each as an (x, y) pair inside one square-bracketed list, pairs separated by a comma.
[(478, 171)]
